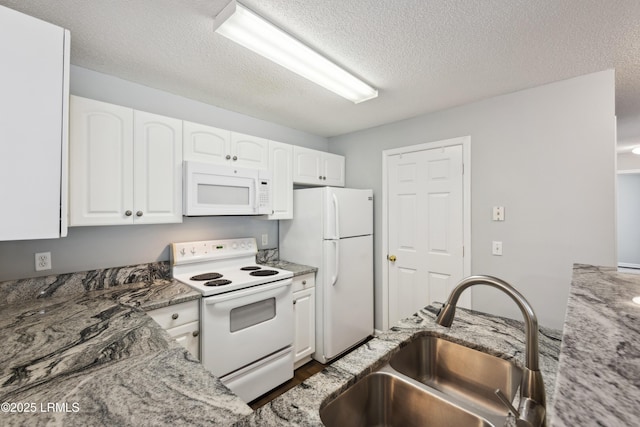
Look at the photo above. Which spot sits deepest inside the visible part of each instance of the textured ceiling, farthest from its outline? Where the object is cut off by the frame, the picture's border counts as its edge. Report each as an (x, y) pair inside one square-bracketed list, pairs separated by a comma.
[(423, 56)]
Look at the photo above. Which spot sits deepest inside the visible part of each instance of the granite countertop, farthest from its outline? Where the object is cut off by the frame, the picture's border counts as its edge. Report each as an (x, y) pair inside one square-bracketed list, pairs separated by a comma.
[(102, 360), (598, 380), (300, 406), (95, 358)]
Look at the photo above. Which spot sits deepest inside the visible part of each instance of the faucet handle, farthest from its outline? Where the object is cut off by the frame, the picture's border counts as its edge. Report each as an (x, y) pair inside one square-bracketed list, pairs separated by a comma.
[(532, 414), (506, 403)]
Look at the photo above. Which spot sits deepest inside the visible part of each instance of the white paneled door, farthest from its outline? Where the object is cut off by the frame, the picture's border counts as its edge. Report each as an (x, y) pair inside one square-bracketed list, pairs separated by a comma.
[(425, 228)]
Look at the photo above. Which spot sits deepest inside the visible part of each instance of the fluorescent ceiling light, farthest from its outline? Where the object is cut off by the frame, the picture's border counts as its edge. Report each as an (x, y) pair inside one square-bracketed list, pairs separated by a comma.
[(244, 27), (636, 150)]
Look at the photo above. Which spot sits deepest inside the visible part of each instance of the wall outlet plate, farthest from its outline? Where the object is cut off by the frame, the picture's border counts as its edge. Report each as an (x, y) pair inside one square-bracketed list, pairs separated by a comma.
[(43, 261)]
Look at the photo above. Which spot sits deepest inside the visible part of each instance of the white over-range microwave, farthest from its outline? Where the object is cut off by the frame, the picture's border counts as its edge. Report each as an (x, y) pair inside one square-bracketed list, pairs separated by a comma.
[(211, 189)]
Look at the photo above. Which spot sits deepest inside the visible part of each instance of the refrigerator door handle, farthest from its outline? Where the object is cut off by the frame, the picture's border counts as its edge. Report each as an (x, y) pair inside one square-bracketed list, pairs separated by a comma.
[(336, 263), (336, 216)]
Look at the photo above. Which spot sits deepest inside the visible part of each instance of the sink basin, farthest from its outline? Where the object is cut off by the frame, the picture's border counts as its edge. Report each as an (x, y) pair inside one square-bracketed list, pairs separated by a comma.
[(458, 371), (384, 399)]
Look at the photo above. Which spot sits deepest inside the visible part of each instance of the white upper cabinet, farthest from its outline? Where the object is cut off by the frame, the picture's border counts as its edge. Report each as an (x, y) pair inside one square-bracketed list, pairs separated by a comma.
[(212, 145), (34, 92), (281, 166), (206, 144), (125, 166), (312, 167), (157, 170), (249, 151)]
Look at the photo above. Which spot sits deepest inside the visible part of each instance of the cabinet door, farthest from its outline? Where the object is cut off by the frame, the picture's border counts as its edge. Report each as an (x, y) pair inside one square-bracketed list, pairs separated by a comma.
[(206, 144), (100, 163), (157, 169), (306, 166), (33, 134), (333, 167), (304, 323), (188, 336), (281, 167), (249, 151)]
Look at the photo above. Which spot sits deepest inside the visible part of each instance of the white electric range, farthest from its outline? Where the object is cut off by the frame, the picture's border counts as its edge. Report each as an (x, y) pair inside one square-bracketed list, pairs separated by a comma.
[(246, 313)]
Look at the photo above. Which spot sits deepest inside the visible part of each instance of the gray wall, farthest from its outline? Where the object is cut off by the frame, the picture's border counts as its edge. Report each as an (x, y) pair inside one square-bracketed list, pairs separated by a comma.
[(628, 219), (112, 246), (548, 155)]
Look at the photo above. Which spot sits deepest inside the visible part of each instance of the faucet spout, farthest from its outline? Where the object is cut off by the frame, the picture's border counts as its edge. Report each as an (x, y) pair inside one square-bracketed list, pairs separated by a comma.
[(532, 394)]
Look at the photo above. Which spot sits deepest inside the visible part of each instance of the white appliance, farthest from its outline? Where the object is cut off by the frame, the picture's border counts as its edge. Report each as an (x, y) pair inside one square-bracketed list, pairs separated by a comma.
[(211, 189), (332, 229), (246, 313)]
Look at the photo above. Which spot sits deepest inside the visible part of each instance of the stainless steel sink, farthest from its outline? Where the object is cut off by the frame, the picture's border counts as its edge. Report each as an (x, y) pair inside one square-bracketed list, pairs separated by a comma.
[(385, 399), (459, 371), (430, 382)]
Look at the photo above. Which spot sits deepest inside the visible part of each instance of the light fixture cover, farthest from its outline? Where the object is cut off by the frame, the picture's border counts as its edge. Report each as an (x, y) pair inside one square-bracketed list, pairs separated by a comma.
[(636, 150), (244, 27)]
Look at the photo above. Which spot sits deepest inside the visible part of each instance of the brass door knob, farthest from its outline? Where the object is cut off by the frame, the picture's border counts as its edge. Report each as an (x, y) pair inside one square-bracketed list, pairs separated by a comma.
[(391, 258)]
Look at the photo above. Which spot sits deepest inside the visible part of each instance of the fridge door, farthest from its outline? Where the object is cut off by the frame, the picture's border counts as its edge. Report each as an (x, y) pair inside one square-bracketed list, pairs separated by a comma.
[(347, 294), (348, 212)]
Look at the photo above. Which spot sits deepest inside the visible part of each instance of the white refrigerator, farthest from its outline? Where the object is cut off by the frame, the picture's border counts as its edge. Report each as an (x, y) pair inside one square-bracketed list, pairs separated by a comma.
[(332, 229)]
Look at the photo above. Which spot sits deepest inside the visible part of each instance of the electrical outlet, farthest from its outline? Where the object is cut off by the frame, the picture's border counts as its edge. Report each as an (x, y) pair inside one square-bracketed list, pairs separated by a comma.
[(265, 239), (43, 261)]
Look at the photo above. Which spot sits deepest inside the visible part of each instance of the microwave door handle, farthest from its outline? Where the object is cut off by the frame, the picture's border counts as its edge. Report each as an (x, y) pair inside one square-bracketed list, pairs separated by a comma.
[(255, 196)]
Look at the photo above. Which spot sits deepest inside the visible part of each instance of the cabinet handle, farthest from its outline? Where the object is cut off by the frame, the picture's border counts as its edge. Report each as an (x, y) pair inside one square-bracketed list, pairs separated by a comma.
[(324, 178), (174, 316), (196, 333), (139, 213), (128, 213), (227, 157), (304, 282), (235, 158), (320, 177), (294, 302)]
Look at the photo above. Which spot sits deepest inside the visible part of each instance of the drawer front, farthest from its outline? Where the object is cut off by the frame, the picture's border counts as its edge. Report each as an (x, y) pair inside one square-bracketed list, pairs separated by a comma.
[(177, 314), (305, 281)]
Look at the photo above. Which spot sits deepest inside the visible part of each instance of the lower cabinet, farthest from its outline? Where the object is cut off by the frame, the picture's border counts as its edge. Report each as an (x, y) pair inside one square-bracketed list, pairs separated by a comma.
[(304, 315), (182, 322)]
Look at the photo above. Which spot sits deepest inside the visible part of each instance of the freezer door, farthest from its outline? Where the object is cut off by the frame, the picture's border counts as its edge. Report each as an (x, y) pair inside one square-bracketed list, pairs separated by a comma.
[(348, 212), (347, 293)]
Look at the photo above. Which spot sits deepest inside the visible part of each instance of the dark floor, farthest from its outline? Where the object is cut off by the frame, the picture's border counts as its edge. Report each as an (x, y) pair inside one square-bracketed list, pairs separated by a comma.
[(300, 374)]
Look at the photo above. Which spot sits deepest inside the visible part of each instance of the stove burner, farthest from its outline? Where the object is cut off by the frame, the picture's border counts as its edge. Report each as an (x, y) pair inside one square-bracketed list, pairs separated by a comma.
[(206, 276), (263, 273), (219, 282), (250, 268)]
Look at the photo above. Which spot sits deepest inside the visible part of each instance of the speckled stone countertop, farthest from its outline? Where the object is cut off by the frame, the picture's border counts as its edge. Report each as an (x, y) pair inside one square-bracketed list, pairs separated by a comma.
[(103, 361), (598, 382), (495, 335), (72, 357)]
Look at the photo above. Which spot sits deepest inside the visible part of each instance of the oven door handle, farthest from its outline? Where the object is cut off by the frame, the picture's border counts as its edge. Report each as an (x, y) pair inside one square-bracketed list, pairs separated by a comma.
[(246, 292)]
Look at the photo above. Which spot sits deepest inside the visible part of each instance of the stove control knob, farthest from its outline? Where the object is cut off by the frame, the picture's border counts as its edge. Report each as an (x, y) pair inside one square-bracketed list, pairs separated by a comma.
[(183, 251), (193, 251), (234, 246)]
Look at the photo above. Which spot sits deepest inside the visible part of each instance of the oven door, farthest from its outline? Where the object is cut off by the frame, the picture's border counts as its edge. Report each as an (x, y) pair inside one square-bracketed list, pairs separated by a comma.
[(241, 327)]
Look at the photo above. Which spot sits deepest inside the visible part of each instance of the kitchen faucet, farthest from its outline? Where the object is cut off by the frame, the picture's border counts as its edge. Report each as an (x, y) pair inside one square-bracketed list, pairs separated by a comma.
[(532, 408)]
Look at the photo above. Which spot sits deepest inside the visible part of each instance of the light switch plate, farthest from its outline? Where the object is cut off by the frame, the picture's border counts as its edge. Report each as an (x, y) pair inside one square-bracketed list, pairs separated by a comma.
[(496, 248), (498, 213)]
